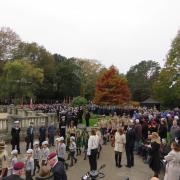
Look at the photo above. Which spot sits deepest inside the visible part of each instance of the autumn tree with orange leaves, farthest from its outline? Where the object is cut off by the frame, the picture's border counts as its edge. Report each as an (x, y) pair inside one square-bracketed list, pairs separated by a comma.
[(111, 88)]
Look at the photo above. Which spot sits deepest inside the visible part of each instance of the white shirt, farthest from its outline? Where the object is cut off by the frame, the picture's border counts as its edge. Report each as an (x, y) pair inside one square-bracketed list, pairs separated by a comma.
[(93, 143)]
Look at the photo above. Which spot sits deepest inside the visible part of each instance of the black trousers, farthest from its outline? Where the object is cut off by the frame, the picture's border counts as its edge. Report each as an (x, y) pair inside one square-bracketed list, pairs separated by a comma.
[(118, 156), (87, 122), (30, 141), (130, 156), (28, 175), (93, 159), (36, 164), (51, 140), (16, 145)]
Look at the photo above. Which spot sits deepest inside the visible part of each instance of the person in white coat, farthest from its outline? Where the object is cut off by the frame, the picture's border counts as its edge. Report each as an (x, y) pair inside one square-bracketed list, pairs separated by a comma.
[(173, 162), (120, 141)]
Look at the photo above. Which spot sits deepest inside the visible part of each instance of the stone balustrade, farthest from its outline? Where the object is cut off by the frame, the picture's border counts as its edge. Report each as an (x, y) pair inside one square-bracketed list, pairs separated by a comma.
[(24, 116)]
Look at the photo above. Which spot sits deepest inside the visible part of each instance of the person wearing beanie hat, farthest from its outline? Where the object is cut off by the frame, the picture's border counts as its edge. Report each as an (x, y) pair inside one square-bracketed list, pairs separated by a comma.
[(14, 159), (57, 167), (36, 156), (57, 140), (29, 165), (18, 170), (62, 151), (3, 160), (44, 153), (72, 150)]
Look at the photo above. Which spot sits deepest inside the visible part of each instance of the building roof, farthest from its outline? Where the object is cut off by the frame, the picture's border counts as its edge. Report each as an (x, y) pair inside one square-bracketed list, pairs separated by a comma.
[(150, 101)]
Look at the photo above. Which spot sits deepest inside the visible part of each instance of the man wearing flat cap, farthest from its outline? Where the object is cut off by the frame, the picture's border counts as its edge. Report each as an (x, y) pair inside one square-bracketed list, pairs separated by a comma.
[(18, 170), (15, 132), (57, 167)]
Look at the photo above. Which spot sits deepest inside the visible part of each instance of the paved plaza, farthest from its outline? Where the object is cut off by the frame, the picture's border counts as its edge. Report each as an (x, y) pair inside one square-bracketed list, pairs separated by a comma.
[(140, 171)]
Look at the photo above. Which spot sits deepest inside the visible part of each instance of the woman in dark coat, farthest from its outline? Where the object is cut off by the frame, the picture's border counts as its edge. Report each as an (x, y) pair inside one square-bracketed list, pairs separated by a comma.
[(154, 153), (162, 129)]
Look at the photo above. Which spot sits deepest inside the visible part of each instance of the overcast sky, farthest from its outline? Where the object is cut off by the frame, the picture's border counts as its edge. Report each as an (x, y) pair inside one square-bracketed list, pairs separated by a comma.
[(119, 32)]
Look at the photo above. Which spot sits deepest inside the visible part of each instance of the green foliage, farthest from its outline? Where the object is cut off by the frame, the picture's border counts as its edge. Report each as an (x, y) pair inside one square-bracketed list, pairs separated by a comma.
[(79, 101), (141, 78), (20, 79), (167, 86)]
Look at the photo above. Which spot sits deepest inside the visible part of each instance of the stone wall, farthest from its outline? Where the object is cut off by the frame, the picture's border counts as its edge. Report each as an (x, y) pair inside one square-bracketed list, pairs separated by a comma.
[(24, 116)]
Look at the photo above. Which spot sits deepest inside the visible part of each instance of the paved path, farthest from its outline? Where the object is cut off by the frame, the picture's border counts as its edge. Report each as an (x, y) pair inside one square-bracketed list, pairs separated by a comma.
[(140, 171)]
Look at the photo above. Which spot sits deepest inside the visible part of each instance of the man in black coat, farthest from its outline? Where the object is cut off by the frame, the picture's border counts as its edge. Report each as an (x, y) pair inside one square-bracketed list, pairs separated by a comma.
[(42, 133), (18, 170), (57, 167), (87, 117), (30, 136), (129, 147), (15, 132)]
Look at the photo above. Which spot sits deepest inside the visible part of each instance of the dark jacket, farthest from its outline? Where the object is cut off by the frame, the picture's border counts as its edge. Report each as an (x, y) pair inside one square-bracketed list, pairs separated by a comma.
[(15, 134), (59, 172), (138, 131), (154, 152), (42, 131), (29, 132), (130, 138), (87, 116), (13, 177), (163, 132)]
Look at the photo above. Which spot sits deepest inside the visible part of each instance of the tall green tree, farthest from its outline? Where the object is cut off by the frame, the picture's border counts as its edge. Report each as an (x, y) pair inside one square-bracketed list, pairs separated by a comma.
[(42, 59), (68, 77), (141, 78), (20, 79), (90, 70), (167, 86)]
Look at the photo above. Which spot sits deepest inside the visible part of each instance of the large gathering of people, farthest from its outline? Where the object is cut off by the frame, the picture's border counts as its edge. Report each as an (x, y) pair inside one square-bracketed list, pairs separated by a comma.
[(146, 132)]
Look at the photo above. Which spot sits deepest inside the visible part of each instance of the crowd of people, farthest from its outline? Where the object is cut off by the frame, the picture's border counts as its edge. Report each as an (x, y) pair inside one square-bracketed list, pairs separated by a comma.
[(153, 135)]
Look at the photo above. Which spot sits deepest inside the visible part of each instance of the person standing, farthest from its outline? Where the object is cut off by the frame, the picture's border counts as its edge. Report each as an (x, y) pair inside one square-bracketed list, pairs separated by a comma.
[(173, 161), (174, 129), (129, 147), (120, 141), (92, 150), (36, 156), (18, 171), (87, 117), (15, 133), (138, 135), (44, 153), (30, 136), (3, 160), (162, 130), (154, 152), (51, 134), (62, 126), (13, 159), (57, 167), (72, 150), (29, 165), (42, 133)]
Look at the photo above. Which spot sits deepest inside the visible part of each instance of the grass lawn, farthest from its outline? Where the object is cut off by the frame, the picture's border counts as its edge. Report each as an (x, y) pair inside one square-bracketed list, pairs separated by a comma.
[(94, 119)]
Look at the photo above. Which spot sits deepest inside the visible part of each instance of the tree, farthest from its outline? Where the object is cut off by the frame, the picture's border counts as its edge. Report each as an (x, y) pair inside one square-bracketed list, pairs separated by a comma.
[(111, 88), (79, 101), (167, 86), (20, 79), (141, 78), (44, 60), (90, 70), (9, 42), (68, 77)]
